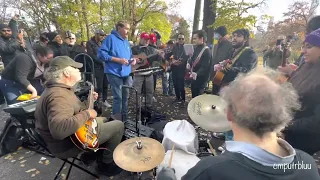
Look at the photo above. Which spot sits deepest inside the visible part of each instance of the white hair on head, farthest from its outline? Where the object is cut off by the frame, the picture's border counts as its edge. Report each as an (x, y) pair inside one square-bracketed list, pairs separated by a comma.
[(258, 102), (53, 75)]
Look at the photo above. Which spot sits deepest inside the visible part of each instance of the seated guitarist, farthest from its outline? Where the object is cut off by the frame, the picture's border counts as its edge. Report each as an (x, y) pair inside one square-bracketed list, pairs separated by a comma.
[(138, 80), (59, 114), (244, 59)]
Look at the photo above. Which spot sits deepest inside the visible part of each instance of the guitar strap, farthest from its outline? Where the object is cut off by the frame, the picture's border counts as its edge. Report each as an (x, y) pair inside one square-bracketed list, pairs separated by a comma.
[(237, 57), (198, 58)]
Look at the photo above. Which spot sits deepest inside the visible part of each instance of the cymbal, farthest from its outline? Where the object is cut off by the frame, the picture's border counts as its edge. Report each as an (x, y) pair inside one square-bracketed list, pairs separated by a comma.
[(208, 112), (128, 157)]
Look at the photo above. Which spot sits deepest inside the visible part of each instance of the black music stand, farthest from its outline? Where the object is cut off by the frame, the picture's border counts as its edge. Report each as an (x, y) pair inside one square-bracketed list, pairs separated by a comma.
[(145, 73), (123, 118)]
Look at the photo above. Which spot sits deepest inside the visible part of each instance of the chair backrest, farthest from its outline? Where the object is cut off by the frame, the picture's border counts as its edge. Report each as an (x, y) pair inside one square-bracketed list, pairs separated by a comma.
[(87, 70)]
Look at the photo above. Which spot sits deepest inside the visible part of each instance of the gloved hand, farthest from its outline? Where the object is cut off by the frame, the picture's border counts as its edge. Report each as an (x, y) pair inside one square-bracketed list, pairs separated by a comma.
[(167, 173)]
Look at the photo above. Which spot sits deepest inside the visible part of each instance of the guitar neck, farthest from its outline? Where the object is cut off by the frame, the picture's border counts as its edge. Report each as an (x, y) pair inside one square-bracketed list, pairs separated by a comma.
[(91, 98)]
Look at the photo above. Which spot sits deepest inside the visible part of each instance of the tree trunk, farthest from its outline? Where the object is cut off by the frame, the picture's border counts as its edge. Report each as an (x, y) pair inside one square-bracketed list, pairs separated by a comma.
[(196, 17), (100, 13), (85, 17), (209, 11)]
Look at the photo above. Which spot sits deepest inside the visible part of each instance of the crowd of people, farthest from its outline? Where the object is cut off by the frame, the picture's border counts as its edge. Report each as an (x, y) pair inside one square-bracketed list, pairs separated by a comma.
[(259, 105)]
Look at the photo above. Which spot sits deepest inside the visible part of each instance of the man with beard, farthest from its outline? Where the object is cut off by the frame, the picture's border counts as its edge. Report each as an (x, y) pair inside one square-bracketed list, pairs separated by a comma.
[(243, 60), (178, 67), (102, 82), (11, 42), (200, 64), (139, 80), (116, 53)]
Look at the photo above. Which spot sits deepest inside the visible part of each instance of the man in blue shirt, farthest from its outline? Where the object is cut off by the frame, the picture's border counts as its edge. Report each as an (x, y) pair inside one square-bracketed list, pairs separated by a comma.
[(116, 53)]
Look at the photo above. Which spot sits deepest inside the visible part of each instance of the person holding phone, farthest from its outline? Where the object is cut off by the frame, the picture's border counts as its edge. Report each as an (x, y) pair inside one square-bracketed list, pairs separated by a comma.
[(274, 55), (11, 42)]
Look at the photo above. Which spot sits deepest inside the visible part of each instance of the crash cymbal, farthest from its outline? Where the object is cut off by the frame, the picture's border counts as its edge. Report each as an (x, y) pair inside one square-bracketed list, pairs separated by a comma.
[(129, 157), (208, 112)]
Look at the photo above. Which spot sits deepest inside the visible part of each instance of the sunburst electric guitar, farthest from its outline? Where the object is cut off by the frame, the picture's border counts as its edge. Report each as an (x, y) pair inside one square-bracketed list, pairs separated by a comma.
[(86, 137)]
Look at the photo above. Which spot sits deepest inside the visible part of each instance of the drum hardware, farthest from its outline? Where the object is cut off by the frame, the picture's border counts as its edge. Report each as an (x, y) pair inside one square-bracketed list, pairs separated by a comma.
[(208, 112), (139, 155)]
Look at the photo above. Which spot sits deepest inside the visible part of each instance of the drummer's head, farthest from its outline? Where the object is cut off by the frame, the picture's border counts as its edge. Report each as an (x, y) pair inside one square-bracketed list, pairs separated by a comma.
[(257, 105), (63, 69)]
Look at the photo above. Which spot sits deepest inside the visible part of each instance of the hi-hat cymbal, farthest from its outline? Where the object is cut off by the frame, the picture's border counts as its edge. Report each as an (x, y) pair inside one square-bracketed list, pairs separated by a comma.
[(128, 157), (208, 112)]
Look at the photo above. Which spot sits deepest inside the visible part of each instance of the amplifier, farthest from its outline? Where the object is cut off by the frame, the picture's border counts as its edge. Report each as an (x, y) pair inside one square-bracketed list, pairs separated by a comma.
[(130, 130)]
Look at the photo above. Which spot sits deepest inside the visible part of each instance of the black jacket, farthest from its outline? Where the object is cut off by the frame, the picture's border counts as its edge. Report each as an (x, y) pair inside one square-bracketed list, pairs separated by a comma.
[(9, 48), (178, 52), (235, 166), (202, 68), (21, 69), (304, 131), (92, 49), (245, 63), (58, 50)]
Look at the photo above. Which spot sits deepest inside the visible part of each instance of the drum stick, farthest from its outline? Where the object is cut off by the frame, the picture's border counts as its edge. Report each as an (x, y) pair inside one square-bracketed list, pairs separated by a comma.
[(211, 148), (170, 161)]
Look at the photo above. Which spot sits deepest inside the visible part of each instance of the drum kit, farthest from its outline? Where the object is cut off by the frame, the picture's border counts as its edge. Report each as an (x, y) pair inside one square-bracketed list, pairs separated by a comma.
[(143, 154)]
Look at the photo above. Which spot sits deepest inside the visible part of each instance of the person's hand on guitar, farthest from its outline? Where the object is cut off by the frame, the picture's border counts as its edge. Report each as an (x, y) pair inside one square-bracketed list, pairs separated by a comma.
[(93, 113), (288, 69), (133, 61), (95, 96)]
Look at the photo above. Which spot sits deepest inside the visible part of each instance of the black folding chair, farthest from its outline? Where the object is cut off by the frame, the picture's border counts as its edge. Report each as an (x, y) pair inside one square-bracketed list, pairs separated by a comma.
[(37, 138)]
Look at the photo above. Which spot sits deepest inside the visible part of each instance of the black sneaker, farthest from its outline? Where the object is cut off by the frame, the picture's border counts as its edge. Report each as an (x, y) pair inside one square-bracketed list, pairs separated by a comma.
[(176, 101), (109, 170), (88, 158)]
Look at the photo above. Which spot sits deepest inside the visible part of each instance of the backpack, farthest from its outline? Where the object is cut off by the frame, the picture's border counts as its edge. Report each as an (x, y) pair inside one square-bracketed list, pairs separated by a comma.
[(12, 136)]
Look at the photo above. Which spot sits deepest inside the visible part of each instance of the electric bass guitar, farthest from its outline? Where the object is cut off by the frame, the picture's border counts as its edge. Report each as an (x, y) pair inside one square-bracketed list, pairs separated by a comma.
[(86, 137)]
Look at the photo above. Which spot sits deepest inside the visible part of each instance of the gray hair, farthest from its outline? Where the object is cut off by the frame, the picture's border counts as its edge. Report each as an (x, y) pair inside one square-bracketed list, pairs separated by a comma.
[(54, 75), (258, 102)]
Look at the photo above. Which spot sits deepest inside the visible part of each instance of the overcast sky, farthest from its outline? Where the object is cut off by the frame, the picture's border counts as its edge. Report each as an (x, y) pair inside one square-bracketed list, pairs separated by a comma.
[(274, 8)]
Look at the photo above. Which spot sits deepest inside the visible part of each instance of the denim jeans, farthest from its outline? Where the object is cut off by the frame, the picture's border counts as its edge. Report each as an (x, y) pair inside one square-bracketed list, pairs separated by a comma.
[(116, 84), (171, 91), (12, 90), (167, 83), (165, 79), (228, 136)]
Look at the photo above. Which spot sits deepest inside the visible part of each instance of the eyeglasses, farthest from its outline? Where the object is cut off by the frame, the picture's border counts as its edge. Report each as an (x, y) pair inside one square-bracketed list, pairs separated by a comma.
[(181, 38), (307, 46), (72, 38), (6, 30)]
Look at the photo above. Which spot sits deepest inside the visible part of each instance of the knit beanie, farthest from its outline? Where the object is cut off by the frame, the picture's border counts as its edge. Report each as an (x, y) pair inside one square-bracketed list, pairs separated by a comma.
[(222, 30), (313, 38), (51, 36)]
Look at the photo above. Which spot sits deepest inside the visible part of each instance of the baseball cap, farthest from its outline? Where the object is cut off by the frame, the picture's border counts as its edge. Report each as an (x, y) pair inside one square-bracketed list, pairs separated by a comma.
[(144, 35), (100, 31), (61, 62)]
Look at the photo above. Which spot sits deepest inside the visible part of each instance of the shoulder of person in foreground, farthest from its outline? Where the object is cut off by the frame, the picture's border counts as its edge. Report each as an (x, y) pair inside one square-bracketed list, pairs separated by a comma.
[(306, 164), (207, 167)]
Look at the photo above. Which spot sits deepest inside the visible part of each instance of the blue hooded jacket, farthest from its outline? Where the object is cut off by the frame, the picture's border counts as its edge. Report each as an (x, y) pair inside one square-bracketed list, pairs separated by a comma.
[(115, 46)]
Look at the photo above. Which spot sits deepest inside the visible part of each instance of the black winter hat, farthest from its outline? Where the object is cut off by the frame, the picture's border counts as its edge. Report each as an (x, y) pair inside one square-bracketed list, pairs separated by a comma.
[(51, 36), (222, 30)]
